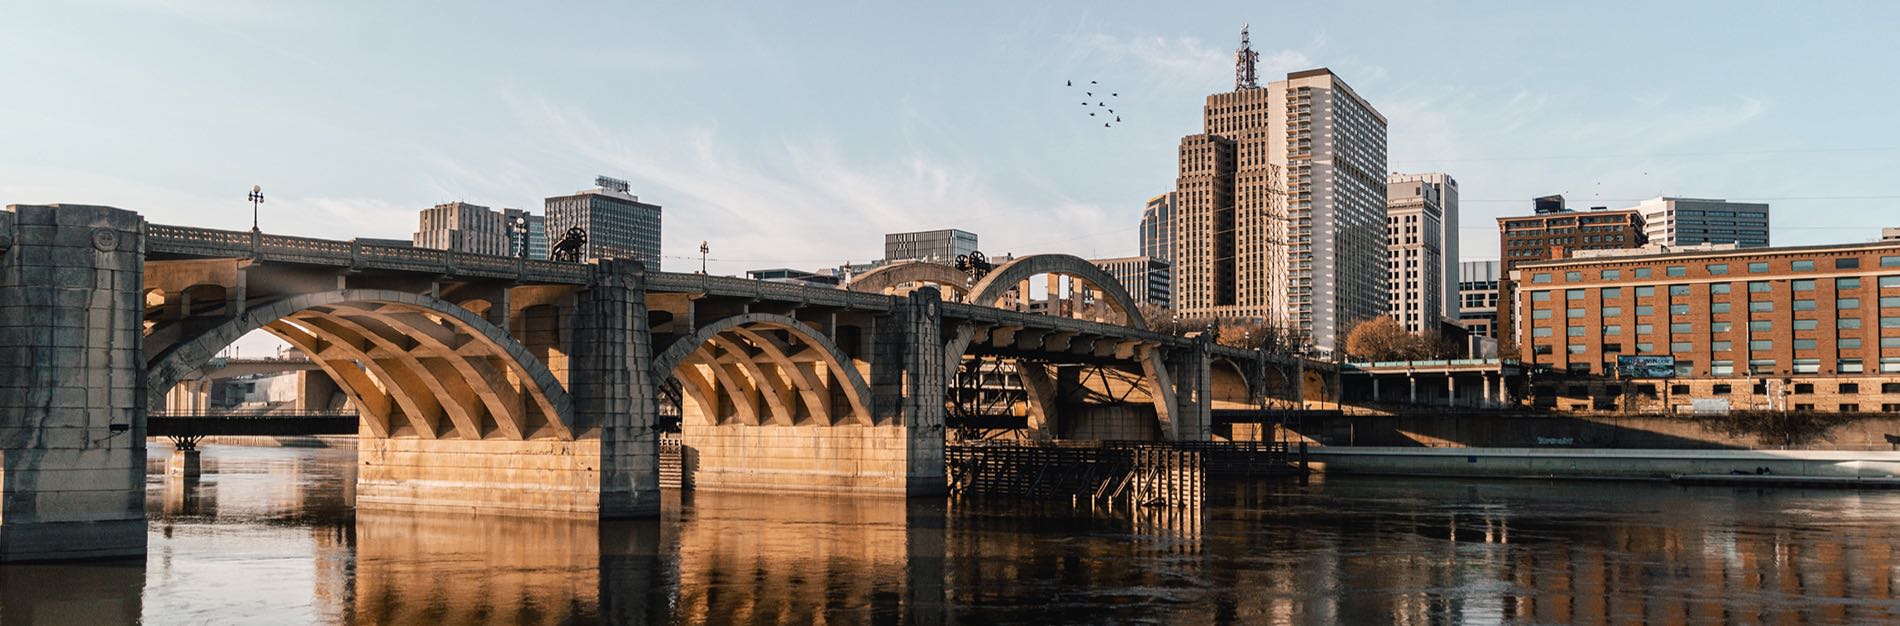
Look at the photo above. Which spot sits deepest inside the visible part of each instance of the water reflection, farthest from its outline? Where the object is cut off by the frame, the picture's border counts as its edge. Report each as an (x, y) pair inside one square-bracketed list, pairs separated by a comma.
[(268, 536)]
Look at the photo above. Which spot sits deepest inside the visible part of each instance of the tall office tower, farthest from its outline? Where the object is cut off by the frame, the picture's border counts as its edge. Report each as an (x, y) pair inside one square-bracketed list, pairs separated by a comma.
[(1157, 228), (462, 227), (1415, 252), (940, 246), (618, 224), (1280, 206), (1478, 297), (1555, 232), (1447, 190), (1146, 279), (1682, 222), (527, 233)]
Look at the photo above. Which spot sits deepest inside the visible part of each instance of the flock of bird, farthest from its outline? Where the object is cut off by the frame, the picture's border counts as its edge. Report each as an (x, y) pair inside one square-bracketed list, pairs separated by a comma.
[(1108, 116)]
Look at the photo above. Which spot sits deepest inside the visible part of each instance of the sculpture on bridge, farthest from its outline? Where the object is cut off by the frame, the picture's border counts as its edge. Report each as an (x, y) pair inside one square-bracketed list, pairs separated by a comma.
[(975, 264), (568, 249)]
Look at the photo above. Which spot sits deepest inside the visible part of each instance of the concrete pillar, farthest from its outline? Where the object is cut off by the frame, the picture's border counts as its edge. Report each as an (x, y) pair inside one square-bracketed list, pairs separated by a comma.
[(613, 390), (184, 463), (925, 381), (72, 384), (1412, 389), (1193, 376), (1504, 390), (1451, 389), (1484, 383)]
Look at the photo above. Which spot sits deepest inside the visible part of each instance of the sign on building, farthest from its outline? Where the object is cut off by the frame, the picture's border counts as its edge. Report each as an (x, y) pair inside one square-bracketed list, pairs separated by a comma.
[(1709, 406), (1643, 366)]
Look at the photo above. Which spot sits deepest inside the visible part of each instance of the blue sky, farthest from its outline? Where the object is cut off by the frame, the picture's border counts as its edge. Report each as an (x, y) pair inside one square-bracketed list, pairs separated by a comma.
[(795, 134)]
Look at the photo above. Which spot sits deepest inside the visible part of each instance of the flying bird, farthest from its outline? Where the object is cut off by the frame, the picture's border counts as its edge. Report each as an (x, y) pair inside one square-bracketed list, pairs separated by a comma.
[(1091, 114), (1068, 83), (1105, 126), (1118, 118), (1089, 93), (1115, 95), (1091, 82)]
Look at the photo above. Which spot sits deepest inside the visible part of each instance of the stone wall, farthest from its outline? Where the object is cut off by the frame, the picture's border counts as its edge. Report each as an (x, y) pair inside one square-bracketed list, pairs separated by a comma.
[(542, 477), (1479, 430), (72, 384)]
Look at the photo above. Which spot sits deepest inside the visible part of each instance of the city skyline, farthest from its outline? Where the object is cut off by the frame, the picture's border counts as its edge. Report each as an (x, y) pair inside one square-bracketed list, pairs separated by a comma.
[(353, 134)]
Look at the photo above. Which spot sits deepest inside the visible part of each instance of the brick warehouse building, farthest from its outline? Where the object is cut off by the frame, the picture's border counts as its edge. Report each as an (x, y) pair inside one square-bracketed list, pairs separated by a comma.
[(1556, 232), (1801, 328)]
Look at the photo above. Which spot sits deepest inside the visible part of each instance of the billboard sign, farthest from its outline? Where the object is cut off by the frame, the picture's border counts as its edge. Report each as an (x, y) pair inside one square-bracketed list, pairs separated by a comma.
[(1642, 366)]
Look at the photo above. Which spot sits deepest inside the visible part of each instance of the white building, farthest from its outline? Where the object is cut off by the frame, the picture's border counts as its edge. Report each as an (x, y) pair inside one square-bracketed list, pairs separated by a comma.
[(1422, 249), (462, 227), (1690, 221)]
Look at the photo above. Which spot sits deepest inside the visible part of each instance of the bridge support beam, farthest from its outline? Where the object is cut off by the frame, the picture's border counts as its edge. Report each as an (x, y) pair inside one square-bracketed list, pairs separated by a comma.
[(72, 384), (1192, 376)]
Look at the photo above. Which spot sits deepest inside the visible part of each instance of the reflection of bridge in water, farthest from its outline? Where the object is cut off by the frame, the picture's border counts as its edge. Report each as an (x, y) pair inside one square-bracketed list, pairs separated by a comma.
[(511, 385)]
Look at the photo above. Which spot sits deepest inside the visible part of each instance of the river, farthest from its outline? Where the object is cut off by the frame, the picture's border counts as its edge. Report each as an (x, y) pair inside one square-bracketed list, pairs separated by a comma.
[(268, 536)]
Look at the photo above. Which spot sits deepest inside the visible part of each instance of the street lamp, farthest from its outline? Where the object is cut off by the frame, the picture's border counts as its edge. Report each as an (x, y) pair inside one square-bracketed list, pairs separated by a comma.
[(703, 249), (257, 197)]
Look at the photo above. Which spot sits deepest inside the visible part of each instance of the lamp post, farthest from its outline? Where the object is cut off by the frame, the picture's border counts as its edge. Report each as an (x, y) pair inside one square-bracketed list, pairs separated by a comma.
[(703, 249), (257, 197)]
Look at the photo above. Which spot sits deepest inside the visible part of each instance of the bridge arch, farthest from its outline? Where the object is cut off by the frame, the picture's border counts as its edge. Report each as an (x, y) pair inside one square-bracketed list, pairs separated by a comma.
[(399, 355), (886, 277), (1007, 276), (734, 348)]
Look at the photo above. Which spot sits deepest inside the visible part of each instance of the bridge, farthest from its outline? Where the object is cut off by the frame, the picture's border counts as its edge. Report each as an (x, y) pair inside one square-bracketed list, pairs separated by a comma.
[(513, 385)]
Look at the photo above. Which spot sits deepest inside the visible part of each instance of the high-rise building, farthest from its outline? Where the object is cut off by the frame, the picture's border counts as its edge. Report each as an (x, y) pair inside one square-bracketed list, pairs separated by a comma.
[(462, 227), (527, 234), (1478, 297), (1280, 206), (1157, 228), (941, 246), (1147, 279), (618, 224), (1422, 249), (1555, 232), (1683, 222)]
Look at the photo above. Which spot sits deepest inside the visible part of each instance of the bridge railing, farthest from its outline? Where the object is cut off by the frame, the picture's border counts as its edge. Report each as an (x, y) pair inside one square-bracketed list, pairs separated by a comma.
[(309, 250)]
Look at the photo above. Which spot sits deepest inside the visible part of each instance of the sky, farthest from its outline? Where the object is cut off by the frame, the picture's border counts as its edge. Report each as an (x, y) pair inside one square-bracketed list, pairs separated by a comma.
[(795, 134)]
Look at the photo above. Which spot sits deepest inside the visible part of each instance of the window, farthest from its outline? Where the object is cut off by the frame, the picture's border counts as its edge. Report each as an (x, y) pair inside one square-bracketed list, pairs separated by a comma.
[(1890, 261), (1645, 310), (1718, 288), (1761, 306), (1573, 313), (1721, 368), (1805, 284), (1612, 311), (1643, 272), (1574, 331), (1644, 329), (1645, 292), (1612, 292), (1721, 346), (1719, 307), (1541, 332), (1851, 366), (1850, 388), (1804, 407), (1681, 327), (1804, 388), (1889, 281), (1678, 290), (1540, 349), (1758, 286), (1758, 268), (1806, 324), (1804, 305), (1681, 346), (1612, 329), (1846, 283), (1577, 349), (1890, 408), (1889, 322), (1719, 327), (1761, 366), (1721, 389), (1848, 263), (1645, 348), (1718, 268), (1541, 314), (1676, 270), (1679, 309), (1612, 347), (1572, 277), (1804, 344), (1801, 266), (1540, 296), (1573, 294), (1847, 303), (1890, 342), (1890, 387), (1849, 407), (1679, 389), (1889, 365), (1761, 344), (1610, 274), (1889, 301), (1847, 343), (1540, 278), (1761, 325), (1847, 323)]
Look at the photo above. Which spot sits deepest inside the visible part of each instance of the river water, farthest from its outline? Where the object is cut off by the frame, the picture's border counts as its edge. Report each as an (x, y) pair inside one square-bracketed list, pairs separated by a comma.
[(268, 536)]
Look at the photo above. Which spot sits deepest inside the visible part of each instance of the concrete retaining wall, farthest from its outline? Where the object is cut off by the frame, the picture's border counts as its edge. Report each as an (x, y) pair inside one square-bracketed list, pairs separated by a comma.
[(1837, 432), (1650, 464)]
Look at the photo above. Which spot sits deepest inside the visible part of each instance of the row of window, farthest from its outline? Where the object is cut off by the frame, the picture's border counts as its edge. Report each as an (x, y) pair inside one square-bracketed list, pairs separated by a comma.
[(1761, 267)]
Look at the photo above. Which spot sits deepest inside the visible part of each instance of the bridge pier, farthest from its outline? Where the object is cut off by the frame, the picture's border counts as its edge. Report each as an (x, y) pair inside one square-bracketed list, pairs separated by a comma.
[(72, 384)]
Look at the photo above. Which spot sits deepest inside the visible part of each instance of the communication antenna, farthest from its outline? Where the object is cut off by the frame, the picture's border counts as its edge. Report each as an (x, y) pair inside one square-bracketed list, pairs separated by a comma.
[(1244, 60)]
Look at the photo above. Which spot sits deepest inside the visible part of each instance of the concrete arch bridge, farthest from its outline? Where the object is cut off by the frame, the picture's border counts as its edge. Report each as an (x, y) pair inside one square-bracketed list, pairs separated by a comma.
[(509, 385)]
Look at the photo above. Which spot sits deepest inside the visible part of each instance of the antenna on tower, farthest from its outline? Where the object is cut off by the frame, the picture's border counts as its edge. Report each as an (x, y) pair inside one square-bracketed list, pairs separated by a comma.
[(1244, 60)]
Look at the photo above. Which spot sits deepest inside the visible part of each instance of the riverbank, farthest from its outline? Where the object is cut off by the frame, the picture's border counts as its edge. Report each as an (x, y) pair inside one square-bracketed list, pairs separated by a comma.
[(1806, 468)]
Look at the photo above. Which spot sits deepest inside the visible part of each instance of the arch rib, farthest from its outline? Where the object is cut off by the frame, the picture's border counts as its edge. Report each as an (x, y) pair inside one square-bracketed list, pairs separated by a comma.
[(855, 389), (1002, 279), (886, 277)]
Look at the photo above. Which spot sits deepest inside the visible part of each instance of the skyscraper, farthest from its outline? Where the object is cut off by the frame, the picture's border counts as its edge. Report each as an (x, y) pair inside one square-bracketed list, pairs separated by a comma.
[(1683, 222), (1146, 279), (941, 246), (1280, 206), (618, 224), (1157, 227), (1433, 199), (462, 227)]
